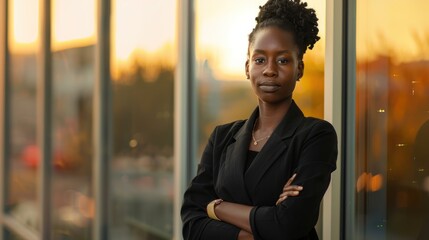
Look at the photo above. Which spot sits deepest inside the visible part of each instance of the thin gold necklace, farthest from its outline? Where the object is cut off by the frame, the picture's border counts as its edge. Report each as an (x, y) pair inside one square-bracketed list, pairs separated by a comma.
[(256, 141)]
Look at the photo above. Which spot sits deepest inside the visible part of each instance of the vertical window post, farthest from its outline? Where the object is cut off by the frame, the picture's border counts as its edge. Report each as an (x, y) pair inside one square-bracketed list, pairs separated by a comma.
[(333, 113), (44, 120), (101, 122), (4, 111), (184, 108), (350, 128)]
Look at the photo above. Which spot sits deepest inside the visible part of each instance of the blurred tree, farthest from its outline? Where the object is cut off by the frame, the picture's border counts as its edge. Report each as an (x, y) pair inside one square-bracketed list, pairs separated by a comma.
[(143, 112)]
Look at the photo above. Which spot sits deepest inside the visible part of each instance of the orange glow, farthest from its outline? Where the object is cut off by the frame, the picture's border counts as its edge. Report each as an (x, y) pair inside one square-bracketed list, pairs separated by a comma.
[(368, 182), (392, 29), (361, 182), (376, 183)]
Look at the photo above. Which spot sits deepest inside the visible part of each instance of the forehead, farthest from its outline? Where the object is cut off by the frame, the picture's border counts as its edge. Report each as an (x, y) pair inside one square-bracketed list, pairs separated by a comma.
[(271, 38)]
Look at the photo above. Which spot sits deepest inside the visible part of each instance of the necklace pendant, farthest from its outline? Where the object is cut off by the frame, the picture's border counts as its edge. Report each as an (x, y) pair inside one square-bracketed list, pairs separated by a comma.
[(255, 143)]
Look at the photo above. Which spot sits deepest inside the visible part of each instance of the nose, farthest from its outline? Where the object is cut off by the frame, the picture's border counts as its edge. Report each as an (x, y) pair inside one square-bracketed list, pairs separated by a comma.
[(270, 69)]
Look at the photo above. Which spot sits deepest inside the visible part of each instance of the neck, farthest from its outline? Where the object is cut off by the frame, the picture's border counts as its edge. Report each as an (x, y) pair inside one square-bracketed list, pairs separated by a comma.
[(271, 115)]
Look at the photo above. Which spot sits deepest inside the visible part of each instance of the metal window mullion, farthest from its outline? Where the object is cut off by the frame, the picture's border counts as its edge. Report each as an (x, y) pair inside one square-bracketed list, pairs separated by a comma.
[(184, 108), (44, 120), (4, 114), (101, 121), (333, 113), (350, 127)]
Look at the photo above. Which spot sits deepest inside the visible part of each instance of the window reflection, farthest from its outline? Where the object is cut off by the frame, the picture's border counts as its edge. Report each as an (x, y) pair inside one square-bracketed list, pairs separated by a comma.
[(392, 109), (142, 108)]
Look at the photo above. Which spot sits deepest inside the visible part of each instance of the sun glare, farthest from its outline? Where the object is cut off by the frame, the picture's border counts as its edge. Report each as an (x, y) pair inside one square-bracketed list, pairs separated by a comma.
[(73, 23), (24, 24), (138, 26)]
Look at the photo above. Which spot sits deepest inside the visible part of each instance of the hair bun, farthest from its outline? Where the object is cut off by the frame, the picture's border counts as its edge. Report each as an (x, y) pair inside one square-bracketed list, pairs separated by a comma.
[(290, 15)]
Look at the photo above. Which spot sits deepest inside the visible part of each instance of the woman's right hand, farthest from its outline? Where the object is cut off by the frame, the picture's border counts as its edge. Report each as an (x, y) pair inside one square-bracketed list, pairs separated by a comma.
[(289, 190)]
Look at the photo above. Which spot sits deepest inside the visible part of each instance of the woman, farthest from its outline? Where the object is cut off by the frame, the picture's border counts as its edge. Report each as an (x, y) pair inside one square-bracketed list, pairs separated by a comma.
[(240, 191)]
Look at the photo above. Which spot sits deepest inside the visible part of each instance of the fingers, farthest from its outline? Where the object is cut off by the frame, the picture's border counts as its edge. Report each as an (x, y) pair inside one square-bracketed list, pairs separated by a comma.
[(292, 188), (291, 191), (281, 199), (289, 182), (287, 194)]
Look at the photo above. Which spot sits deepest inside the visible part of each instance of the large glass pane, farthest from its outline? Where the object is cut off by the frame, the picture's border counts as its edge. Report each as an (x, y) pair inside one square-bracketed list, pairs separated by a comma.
[(24, 151), (392, 113), (224, 94), (143, 57), (73, 59)]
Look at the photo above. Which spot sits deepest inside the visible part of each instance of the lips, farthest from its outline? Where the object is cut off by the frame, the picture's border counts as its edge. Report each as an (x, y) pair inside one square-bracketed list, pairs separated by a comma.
[(269, 87)]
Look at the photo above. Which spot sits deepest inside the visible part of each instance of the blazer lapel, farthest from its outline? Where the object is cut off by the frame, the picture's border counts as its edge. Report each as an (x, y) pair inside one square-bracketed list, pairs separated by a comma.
[(235, 160), (275, 147)]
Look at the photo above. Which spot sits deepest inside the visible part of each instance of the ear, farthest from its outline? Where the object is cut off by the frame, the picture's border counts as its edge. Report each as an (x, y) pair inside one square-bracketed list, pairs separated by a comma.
[(300, 70), (247, 69)]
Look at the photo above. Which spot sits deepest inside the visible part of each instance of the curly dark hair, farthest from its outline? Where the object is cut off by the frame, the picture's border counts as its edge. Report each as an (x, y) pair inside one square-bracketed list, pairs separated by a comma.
[(289, 15)]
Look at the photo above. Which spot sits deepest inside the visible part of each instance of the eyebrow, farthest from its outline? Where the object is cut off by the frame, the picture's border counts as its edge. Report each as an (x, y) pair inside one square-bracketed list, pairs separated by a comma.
[(263, 51)]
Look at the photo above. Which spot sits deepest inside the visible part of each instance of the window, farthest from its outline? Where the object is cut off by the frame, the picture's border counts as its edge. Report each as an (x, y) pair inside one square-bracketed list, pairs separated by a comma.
[(392, 114), (73, 77), (23, 153), (143, 62)]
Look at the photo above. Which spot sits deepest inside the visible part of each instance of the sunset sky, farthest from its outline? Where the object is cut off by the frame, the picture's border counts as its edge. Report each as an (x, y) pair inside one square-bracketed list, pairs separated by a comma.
[(222, 27), (222, 33), (394, 27)]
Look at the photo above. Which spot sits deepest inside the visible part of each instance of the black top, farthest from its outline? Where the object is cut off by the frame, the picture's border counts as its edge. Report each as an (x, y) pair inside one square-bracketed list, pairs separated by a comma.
[(250, 156)]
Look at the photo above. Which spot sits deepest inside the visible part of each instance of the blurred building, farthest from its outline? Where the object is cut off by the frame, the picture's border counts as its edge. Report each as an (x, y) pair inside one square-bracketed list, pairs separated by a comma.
[(105, 107)]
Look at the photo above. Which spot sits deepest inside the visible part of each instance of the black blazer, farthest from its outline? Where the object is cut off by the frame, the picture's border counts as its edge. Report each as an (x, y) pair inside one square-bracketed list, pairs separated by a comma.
[(307, 146)]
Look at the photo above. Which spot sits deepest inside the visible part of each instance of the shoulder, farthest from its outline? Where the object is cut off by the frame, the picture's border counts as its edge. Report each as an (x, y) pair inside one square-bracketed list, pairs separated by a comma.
[(312, 123), (228, 128), (319, 123), (223, 134)]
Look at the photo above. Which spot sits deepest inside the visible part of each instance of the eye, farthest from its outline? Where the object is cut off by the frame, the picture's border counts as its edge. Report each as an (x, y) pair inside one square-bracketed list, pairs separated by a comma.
[(283, 60), (259, 60)]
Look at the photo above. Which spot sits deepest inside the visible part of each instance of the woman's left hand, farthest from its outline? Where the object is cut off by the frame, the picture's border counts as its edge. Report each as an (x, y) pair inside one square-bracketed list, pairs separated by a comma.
[(289, 190)]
